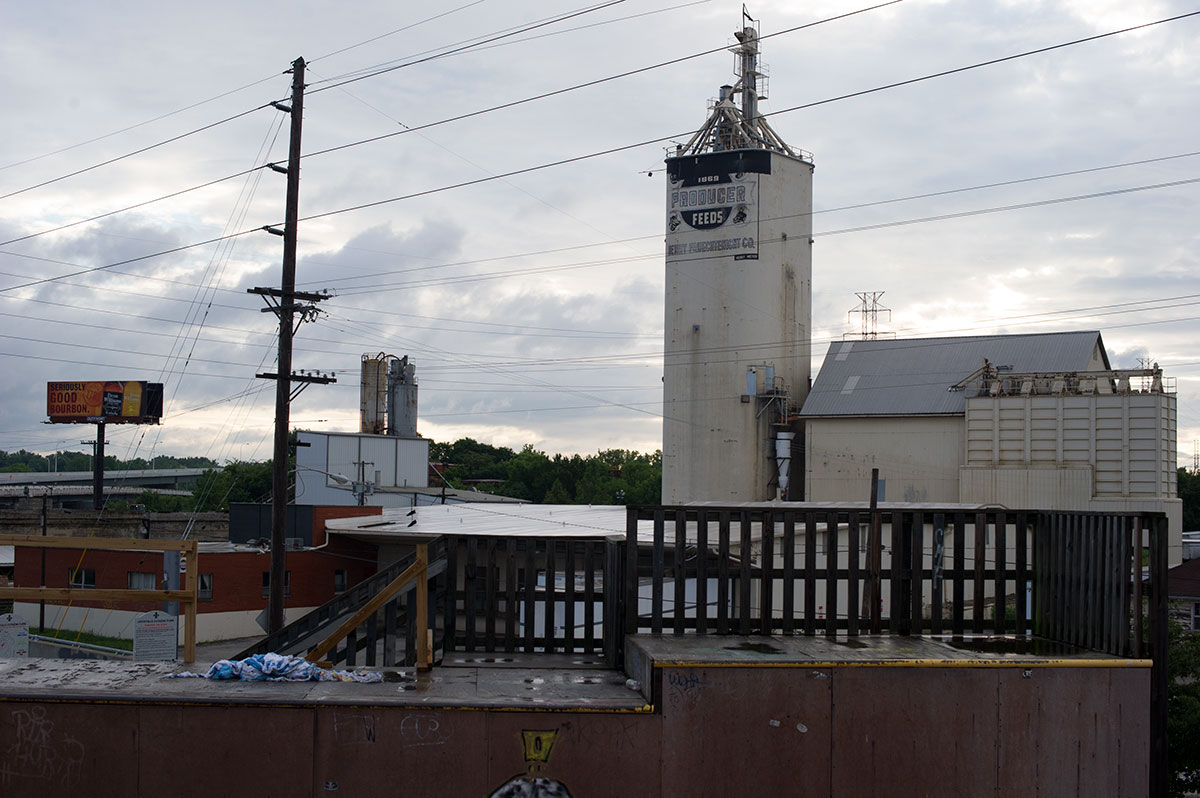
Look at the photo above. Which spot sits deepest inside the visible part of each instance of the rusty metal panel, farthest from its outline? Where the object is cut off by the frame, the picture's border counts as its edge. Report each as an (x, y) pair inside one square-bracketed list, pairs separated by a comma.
[(1074, 732), (745, 731), (215, 750), (588, 753), (371, 751), (901, 732), (67, 749)]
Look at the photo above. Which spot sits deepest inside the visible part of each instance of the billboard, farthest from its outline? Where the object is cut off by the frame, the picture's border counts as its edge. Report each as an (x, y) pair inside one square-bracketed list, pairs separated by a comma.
[(130, 402)]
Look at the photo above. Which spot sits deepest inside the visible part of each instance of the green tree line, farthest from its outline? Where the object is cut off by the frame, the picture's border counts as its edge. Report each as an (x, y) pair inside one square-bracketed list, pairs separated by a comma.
[(612, 476), (29, 462)]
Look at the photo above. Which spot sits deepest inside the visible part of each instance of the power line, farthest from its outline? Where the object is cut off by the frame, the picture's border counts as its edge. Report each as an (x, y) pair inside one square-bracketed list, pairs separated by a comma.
[(410, 26), (497, 37), (616, 149), (145, 149), (588, 84)]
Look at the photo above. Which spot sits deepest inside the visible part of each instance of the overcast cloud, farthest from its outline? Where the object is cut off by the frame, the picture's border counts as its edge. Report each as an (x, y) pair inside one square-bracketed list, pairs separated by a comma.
[(532, 304)]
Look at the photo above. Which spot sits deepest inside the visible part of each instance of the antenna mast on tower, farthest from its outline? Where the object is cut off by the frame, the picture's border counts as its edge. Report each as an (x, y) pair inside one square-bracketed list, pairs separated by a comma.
[(730, 127)]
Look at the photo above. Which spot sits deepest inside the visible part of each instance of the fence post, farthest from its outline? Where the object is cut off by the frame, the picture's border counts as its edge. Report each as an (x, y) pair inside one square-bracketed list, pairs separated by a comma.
[(1159, 772)]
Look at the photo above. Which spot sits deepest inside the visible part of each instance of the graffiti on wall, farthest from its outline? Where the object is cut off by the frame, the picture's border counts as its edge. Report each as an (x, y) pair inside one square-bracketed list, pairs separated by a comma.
[(534, 783), (40, 752)]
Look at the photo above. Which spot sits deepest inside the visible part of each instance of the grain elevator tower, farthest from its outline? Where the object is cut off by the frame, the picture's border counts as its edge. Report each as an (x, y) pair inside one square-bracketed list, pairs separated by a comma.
[(738, 300)]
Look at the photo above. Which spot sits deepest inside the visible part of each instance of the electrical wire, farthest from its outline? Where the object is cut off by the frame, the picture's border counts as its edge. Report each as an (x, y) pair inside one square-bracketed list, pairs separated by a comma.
[(140, 151)]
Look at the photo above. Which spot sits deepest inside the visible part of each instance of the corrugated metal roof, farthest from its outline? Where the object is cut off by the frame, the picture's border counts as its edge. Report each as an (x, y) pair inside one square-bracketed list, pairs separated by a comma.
[(912, 376)]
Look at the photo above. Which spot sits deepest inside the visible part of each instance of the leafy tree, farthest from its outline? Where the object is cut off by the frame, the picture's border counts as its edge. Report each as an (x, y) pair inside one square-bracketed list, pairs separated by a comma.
[(557, 494), (1183, 710), (612, 476), (1189, 491)]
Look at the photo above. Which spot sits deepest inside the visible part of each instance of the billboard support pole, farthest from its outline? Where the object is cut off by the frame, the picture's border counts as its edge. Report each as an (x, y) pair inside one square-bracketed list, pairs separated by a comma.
[(98, 469)]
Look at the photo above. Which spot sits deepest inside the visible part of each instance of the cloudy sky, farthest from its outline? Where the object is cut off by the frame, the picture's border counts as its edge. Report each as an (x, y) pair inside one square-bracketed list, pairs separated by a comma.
[(530, 294)]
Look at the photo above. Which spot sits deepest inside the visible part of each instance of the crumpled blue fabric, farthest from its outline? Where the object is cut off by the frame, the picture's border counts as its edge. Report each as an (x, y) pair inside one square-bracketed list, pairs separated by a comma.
[(279, 668)]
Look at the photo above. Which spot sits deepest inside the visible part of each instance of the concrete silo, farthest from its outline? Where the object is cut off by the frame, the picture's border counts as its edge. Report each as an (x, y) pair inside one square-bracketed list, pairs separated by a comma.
[(738, 301)]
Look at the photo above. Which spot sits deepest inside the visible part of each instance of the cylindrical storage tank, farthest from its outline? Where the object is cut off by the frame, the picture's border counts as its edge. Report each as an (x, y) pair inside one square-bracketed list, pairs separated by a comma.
[(373, 394), (402, 398)]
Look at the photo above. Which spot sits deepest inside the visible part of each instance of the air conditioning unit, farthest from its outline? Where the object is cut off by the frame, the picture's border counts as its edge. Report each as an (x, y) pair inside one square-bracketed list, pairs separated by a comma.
[(293, 544)]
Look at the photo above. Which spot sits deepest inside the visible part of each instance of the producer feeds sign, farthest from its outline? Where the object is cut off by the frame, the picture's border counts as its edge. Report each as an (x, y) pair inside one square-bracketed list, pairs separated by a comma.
[(712, 205)]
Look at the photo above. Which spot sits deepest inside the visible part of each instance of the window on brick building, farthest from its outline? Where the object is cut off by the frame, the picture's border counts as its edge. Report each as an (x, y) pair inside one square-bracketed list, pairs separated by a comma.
[(142, 581), (339, 581), (266, 583), (81, 578), (204, 589)]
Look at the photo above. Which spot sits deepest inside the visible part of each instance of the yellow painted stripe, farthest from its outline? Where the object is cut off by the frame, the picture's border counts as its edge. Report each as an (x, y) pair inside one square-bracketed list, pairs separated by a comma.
[(920, 663)]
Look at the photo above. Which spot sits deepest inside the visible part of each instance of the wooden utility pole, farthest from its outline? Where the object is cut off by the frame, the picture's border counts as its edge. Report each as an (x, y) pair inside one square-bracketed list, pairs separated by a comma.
[(282, 301)]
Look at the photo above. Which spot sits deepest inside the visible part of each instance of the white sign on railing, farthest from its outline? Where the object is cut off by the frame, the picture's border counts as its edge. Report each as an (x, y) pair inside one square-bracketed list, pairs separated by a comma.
[(155, 637), (14, 636)]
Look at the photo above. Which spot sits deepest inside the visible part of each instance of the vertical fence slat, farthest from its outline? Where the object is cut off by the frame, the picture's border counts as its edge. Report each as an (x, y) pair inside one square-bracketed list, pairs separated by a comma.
[(1095, 597), (589, 597), (490, 599), (549, 607), (810, 573), (702, 572), (1053, 592), (852, 581), (1000, 588), (831, 574), (1124, 580), (1021, 531), (1112, 592), (679, 605), (613, 610), (977, 611), (744, 552), (656, 589), (470, 583), (723, 573), (875, 566), (531, 578), (937, 573), (896, 565), (569, 599), (960, 565), (510, 595), (389, 634), (632, 577), (450, 610), (766, 581), (410, 627), (917, 574), (789, 573)]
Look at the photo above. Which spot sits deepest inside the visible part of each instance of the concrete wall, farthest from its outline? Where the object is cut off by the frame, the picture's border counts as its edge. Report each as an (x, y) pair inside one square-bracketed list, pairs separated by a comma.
[(26, 520), (724, 313), (792, 731), (917, 456)]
